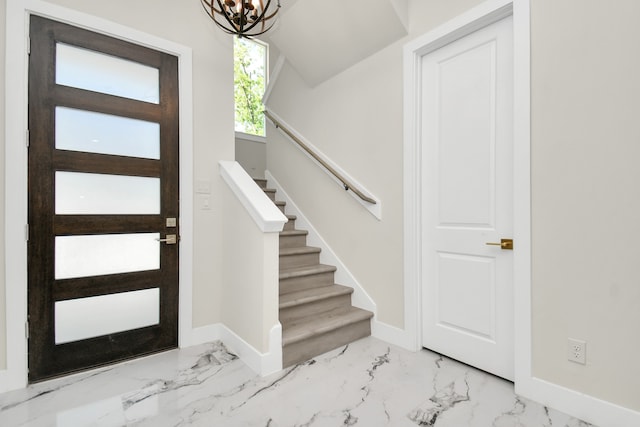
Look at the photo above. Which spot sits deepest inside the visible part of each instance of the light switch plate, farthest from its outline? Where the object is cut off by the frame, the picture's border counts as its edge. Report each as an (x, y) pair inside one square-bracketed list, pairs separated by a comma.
[(203, 187), (205, 203)]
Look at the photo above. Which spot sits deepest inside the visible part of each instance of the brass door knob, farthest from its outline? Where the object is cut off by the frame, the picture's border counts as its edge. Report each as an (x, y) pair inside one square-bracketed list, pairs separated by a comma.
[(504, 244)]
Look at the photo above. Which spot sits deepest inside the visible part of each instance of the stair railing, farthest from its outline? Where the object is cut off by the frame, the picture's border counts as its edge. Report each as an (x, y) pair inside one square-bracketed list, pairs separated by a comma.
[(345, 182)]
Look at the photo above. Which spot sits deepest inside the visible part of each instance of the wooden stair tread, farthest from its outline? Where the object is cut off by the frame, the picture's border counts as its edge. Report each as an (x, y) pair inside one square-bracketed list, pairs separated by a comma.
[(300, 250), (306, 271), (294, 233), (330, 321), (307, 296)]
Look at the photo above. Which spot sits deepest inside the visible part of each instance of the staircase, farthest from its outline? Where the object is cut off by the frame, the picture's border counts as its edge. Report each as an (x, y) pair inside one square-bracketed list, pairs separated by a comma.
[(316, 314)]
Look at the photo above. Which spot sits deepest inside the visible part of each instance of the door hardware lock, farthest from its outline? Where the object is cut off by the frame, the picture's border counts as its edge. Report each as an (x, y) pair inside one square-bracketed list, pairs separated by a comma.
[(171, 239), (504, 244)]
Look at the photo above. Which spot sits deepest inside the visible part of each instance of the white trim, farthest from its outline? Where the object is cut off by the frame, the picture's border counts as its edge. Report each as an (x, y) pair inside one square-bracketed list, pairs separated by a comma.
[(206, 334), (262, 210), (17, 30), (392, 334), (15, 198), (273, 78), (252, 138), (582, 406), (374, 209), (522, 190), (261, 363)]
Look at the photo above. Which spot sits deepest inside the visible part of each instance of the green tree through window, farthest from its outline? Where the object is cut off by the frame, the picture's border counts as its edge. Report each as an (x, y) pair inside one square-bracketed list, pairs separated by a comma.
[(250, 59)]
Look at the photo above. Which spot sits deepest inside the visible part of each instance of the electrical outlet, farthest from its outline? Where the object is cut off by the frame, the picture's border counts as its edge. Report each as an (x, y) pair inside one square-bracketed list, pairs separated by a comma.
[(577, 351)]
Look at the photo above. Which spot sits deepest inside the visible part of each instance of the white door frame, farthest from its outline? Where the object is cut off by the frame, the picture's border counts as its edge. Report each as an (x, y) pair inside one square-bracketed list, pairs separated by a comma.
[(485, 14), (15, 206)]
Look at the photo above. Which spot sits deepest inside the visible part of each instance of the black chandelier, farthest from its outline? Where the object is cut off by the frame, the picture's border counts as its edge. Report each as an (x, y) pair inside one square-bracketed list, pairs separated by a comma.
[(245, 18)]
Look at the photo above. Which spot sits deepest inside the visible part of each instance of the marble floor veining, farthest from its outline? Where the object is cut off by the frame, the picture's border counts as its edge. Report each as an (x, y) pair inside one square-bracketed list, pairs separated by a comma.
[(367, 383)]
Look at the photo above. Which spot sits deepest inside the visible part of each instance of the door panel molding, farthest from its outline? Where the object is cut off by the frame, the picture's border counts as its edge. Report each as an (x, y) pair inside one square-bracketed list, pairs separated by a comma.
[(481, 16), (17, 18), (466, 131)]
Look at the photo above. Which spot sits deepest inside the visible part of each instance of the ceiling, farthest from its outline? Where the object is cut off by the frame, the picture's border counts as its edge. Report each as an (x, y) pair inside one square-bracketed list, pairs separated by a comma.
[(321, 38)]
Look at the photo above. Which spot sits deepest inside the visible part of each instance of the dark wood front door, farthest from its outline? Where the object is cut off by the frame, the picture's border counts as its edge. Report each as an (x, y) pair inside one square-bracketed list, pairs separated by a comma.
[(103, 200)]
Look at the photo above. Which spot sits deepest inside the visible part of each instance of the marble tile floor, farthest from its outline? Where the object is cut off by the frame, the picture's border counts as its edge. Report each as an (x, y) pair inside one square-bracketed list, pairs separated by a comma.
[(367, 383)]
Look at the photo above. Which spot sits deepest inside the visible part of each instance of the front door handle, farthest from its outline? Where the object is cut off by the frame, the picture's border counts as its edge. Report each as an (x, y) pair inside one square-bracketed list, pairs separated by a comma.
[(504, 244), (171, 239)]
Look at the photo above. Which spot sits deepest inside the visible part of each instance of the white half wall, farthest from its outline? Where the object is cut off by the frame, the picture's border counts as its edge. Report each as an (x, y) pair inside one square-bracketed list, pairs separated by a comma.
[(252, 224), (251, 153)]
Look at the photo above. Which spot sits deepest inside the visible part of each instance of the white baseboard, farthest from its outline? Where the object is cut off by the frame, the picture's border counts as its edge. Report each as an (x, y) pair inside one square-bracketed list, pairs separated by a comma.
[(392, 335), (579, 405), (205, 334), (4, 382), (261, 363), (13, 377)]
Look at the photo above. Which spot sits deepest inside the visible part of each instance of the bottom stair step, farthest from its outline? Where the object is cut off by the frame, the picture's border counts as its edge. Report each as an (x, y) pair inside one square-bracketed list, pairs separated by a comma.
[(312, 336), (295, 306)]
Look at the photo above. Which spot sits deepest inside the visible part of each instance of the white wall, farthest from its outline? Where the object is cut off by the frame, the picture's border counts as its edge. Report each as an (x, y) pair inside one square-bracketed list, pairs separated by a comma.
[(250, 274), (586, 197), (347, 124), (252, 155), (585, 180)]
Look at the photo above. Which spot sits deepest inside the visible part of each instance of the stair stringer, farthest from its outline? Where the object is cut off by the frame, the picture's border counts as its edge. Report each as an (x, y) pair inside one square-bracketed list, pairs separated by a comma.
[(360, 298)]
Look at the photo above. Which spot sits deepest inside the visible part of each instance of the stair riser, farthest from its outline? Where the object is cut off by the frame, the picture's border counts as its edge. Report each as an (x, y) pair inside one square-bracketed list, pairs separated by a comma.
[(272, 195), (290, 225), (306, 349), (291, 314), (293, 241), (302, 260), (281, 207), (306, 282), (262, 183)]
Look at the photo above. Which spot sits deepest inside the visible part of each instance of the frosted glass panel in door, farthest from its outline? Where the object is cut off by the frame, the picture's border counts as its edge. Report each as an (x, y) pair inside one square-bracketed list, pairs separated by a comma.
[(99, 194), (84, 318), (96, 255), (79, 130), (98, 72)]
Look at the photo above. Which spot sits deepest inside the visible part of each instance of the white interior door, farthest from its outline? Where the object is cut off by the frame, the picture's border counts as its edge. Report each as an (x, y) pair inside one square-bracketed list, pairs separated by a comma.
[(467, 199)]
